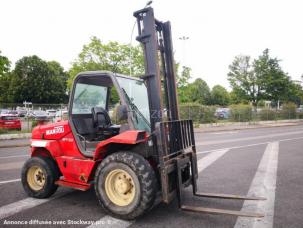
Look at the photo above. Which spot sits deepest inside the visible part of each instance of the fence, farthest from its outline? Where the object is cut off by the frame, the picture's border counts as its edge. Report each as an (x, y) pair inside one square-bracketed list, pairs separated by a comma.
[(30, 114), (237, 113), (198, 113)]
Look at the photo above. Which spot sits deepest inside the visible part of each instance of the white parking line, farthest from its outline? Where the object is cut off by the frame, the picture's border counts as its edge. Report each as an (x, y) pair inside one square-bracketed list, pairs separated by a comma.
[(237, 139), (223, 132), (13, 208), (108, 221), (11, 165), (209, 159), (9, 181), (263, 184), (249, 145)]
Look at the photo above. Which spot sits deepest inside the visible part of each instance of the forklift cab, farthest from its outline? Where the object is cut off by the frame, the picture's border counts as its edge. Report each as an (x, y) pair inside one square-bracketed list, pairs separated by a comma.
[(89, 108)]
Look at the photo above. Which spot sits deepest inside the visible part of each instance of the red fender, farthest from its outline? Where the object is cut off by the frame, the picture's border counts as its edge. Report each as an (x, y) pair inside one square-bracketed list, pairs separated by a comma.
[(131, 137), (50, 145)]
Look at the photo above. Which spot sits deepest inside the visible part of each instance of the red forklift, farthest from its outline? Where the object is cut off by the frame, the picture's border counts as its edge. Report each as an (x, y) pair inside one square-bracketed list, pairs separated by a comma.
[(128, 164)]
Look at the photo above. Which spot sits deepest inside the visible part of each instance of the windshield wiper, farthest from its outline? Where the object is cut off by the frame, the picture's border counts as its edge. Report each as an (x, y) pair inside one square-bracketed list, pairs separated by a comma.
[(135, 108), (80, 95)]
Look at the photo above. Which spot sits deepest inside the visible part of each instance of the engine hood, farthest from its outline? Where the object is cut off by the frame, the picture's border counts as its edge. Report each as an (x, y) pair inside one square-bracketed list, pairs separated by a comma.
[(51, 131)]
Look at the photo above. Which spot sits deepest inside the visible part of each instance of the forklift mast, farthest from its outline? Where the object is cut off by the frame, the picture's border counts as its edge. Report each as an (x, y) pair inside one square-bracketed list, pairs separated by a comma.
[(156, 39), (176, 150)]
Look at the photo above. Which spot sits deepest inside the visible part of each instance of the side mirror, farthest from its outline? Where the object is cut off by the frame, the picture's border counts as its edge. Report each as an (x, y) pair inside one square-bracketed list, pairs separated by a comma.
[(122, 113)]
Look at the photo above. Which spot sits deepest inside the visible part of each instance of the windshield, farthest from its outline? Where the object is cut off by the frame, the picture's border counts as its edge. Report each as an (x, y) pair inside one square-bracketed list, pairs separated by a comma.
[(136, 96), (88, 96)]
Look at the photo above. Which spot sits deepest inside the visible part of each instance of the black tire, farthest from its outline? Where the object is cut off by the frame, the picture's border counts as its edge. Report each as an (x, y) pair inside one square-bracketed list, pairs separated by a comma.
[(51, 174), (144, 180)]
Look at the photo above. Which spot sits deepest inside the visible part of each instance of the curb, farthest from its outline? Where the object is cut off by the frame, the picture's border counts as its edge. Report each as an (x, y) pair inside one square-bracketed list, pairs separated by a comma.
[(15, 136), (16, 145), (202, 127), (250, 123), (230, 126)]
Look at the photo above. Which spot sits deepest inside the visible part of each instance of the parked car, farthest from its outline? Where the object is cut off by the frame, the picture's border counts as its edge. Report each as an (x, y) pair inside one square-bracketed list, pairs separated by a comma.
[(8, 121), (21, 112), (13, 113), (222, 113), (29, 113), (40, 115), (4, 111), (51, 113), (300, 109), (61, 115)]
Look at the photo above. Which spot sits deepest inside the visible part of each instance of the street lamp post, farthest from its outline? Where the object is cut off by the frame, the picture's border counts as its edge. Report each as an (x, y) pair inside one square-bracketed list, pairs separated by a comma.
[(184, 39)]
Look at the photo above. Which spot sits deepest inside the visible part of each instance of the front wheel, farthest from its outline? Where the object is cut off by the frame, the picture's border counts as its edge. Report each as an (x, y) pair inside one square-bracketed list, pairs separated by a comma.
[(125, 185), (38, 177)]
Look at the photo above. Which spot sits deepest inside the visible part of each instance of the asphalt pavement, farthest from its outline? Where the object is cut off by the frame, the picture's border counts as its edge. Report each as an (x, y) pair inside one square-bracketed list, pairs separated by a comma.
[(261, 162)]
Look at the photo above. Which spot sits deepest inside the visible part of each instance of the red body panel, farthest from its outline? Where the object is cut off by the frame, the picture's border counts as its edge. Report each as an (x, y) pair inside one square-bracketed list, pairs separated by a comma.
[(58, 141), (51, 131), (127, 137), (11, 123), (74, 169)]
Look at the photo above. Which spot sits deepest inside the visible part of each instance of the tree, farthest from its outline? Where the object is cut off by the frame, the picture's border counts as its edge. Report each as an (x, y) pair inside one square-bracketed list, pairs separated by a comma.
[(112, 57), (244, 81), (184, 77), (38, 81), (182, 83), (219, 96), (199, 92), (59, 84), (4, 65), (295, 93), (264, 79), (273, 80), (4, 78), (236, 97)]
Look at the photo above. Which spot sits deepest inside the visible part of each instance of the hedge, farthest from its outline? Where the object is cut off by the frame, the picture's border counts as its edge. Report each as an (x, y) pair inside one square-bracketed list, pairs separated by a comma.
[(198, 113), (268, 114), (241, 113)]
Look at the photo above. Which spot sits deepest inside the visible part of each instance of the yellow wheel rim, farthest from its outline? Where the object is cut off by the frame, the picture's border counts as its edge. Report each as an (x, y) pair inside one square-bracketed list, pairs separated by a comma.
[(36, 178), (120, 187)]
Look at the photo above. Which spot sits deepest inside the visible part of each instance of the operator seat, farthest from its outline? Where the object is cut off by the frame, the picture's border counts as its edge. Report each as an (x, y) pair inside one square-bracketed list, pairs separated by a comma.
[(102, 122), (101, 119)]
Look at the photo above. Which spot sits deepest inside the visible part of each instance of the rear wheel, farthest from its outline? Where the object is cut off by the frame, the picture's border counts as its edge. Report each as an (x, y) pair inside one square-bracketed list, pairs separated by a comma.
[(38, 177), (125, 185)]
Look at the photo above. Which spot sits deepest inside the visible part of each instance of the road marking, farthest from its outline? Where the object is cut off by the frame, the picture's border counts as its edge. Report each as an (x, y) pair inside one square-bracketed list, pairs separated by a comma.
[(263, 184), (110, 222), (255, 144), (13, 208), (203, 163), (223, 133), (14, 156), (211, 142), (9, 181), (11, 165)]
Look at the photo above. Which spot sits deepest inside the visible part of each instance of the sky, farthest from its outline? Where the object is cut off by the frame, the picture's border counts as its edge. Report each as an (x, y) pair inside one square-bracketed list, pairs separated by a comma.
[(217, 30)]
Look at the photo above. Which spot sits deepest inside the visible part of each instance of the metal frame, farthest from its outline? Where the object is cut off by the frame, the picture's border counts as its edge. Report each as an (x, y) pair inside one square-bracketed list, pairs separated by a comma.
[(177, 152), (175, 149), (156, 39)]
